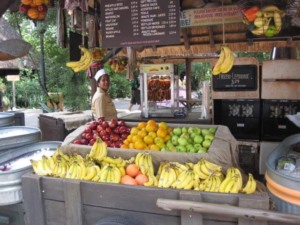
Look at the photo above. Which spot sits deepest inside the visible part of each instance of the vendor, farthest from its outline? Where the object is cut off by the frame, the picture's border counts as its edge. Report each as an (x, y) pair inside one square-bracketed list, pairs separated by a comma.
[(102, 105)]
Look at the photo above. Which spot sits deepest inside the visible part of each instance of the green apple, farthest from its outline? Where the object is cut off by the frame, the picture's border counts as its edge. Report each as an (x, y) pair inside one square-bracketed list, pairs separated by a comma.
[(181, 148), (169, 144), (182, 141), (212, 130), (177, 131), (271, 31), (204, 131), (194, 130), (184, 130), (193, 135), (173, 149), (174, 140), (209, 136), (165, 149), (202, 150), (185, 135), (190, 148), (206, 143), (198, 139)]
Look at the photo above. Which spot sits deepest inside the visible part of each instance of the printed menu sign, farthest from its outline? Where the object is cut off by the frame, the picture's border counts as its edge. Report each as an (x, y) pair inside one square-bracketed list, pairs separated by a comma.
[(139, 22), (240, 77)]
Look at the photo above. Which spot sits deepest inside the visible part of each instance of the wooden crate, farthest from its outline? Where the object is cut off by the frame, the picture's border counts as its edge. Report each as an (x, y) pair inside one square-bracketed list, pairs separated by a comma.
[(58, 201)]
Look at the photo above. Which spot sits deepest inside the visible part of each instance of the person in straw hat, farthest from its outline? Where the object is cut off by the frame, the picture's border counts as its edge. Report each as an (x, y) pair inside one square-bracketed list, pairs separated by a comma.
[(102, 105)]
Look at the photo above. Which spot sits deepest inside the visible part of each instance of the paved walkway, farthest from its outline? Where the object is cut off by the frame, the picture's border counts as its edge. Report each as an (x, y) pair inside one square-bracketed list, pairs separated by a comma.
[(32, 115)]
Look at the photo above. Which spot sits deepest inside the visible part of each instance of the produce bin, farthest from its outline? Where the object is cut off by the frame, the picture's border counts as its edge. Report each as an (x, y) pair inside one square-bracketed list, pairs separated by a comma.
[(284, 189), (6, 119), (50, 200), (56, 126), (222, 151)]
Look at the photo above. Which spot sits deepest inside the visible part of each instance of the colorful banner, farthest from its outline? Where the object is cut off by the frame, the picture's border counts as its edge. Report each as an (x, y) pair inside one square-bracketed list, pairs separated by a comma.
[(211, 16)]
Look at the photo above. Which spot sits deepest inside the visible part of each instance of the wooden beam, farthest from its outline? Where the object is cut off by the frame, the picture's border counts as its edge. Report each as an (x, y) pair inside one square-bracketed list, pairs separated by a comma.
[(185, 39), (211, 37)]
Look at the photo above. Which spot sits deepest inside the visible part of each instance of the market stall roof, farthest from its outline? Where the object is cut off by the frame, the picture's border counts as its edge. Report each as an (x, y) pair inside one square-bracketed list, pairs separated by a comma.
[(11, 42)]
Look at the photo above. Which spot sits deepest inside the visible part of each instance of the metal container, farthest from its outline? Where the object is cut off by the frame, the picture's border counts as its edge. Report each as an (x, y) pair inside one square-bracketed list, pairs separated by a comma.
[(16, 136), (6, 119), (283, 53), (10, 181)]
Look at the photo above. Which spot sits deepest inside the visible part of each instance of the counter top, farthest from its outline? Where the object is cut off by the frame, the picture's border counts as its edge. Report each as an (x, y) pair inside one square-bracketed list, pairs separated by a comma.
[(191, 118)]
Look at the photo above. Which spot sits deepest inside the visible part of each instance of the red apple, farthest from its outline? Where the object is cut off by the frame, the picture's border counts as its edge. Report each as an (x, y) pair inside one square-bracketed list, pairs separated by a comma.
[(93, 125), (114, 137), (88, 136), (24, 8), (124, 136), (42, 8), (100, 128), (78, 142), (121, 123), (105, 137), (108, 130), (87, 130), (84, 141), (92, 141), (123, 129), (113, 123), (102, 133), (117, 130), (104, 124)]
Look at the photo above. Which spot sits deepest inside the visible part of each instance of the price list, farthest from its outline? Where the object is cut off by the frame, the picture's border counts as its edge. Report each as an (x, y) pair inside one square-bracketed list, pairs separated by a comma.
[(139, 22)]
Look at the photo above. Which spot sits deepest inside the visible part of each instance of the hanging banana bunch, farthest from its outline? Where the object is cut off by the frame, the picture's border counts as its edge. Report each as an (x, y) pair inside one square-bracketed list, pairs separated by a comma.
[(225, 61), (84, 62)]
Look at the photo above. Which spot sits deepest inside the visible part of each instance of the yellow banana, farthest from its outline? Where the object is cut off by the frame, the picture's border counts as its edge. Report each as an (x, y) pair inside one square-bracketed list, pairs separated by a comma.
[(190, 185), (111, 160), (122, 170), (103, 174), (230, 185), (277, 22), (261, 30), (226, 181), (91, 172), (116, 175), (162, 178), (211, 166), (149, 165), (198, 171), (217, 68), (94, 150), (260, 21), (238, 174), (250, 186), (228, 60), (170, 177), (183, 179)]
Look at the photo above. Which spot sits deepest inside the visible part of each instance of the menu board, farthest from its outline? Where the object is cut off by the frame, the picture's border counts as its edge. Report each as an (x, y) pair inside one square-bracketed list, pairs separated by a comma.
[(127, 23), (240, 77)]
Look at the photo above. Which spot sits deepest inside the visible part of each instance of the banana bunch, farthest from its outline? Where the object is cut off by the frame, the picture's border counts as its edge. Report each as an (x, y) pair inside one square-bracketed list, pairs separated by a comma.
[(212, 183), (225, 61), (61, 166), (185, 180), (250, 186), (204, 168), (152, 180), (98, 151), (109, 174), (44, 166), (268, 21), (144, 161), (77, 169), (84, 62), (92, 170), (233, 181), (167, 177)]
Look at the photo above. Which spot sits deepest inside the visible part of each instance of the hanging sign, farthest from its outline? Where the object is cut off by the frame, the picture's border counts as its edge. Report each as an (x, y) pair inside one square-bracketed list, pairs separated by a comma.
[(13, 77), (127, 23), (211, 16)]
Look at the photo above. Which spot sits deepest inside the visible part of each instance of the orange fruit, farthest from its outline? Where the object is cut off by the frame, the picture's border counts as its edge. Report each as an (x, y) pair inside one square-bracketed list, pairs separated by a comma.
[(161, 132), (124, 146), (136, 138), (152, 134), (140, 145), (163, 125), (26, 2), (134, 130), (151, 127), (141, 179), (126, 179), (142, 133), (151, 122), (131, 145), (132, 170), (129, 138), (169, 130), (33, 13), (148, 140), (154, 147), (167, 138), (141, 125)]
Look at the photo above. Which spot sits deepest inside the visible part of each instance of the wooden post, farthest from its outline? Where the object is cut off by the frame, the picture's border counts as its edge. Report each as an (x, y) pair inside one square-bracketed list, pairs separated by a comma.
[(131, 54)]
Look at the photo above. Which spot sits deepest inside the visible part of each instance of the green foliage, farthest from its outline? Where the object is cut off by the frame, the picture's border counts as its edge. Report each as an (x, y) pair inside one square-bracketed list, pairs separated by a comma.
[(119, 86)]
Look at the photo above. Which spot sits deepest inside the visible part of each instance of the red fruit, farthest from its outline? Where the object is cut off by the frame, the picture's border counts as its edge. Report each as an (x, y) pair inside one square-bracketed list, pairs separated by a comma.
[(88, 136), (92, 141), (121, 123), (93, 125), (23, 8), (113, 123), (123, 130), (87, 130), (42, 8), (78, 142), (108, 130), (84, 141), (104, 124), (114, 137), (100, 128)]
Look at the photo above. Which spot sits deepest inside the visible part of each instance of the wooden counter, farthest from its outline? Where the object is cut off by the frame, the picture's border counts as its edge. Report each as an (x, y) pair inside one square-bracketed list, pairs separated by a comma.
[(191, 118)]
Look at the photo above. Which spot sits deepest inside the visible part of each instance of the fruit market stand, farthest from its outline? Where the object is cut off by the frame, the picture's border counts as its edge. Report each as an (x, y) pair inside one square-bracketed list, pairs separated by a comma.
[(49, 199)]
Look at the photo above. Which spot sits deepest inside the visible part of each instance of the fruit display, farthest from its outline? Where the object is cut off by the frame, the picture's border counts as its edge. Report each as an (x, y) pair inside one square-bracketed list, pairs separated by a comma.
[(148, 135), (117, 64), (264, 21), (34, 9), (97, 166), (225, 61), (84, 62), (112, 132)]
